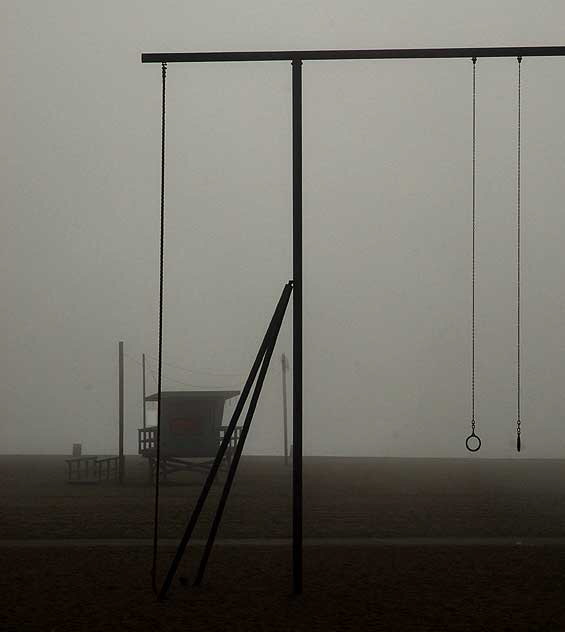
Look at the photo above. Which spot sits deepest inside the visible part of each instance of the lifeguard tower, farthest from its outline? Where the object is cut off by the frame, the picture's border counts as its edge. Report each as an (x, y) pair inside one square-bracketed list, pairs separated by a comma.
[(191, 431)]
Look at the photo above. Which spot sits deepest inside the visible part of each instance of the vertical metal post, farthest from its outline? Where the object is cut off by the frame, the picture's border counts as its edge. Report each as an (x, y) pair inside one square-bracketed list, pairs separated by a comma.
[(121, 409), (144, 411), (284, 362), (297, 325)]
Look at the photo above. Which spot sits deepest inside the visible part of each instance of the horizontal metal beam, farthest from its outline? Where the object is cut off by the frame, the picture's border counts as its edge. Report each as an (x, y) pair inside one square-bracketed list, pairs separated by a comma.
[(393, 53)]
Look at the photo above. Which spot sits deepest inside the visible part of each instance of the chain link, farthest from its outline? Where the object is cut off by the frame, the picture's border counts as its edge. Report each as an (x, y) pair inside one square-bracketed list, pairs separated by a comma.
[(518, 254), (473, 338), (473, 442), (160, 369)]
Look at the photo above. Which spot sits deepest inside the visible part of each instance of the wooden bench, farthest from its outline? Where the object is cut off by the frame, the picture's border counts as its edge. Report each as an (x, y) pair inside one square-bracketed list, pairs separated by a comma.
[(92, 469)]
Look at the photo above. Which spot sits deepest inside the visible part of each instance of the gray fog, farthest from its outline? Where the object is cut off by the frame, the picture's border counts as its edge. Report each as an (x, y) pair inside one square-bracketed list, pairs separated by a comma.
[(387, 221)]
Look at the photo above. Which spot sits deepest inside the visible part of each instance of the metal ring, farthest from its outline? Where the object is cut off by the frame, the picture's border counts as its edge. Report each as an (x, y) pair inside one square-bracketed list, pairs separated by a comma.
[(467, 445)]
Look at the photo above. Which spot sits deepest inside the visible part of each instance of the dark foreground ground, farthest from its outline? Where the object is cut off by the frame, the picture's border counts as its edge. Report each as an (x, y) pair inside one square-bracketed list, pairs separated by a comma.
[(456, 584)]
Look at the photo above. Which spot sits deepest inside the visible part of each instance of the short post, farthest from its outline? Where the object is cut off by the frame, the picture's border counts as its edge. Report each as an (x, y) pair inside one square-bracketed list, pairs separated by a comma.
[(284, 361), (121, 411)]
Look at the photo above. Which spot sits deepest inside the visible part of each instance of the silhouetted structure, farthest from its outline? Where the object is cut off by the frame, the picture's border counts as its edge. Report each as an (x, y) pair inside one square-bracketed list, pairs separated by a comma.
[(296, 59), (191, 431)]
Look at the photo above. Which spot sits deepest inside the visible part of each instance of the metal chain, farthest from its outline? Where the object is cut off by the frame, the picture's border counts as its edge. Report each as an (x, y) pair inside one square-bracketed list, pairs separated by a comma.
[(473, 250), (160, 369), (518, 255), (473, 442)]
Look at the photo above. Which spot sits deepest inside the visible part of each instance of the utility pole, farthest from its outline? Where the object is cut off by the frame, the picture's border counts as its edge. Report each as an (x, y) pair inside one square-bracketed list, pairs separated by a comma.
[(121, 410), (143, 369), (284, 361)]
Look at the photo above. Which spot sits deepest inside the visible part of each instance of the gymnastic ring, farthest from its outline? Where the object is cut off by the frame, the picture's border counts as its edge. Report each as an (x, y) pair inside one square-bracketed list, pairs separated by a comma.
[(468, 446)]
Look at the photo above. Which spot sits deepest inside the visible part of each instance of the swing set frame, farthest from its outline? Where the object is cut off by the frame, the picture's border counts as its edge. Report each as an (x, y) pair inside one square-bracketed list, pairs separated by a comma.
[(297, 57)]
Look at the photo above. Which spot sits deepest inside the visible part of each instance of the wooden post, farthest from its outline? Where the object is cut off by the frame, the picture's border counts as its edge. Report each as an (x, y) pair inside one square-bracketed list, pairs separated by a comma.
[(121, 410), (144, 412), (284, 362)]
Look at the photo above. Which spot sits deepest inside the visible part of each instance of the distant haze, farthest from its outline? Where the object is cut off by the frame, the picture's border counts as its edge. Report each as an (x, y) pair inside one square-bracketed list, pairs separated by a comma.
[(387, 221)]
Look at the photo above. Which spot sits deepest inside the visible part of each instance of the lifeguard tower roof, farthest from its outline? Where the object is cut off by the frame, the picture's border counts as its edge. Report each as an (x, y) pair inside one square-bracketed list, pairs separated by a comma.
[(190, 395)]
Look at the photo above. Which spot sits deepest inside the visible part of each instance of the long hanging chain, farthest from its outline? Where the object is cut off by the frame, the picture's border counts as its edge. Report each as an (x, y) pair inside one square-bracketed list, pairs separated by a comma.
[(473, 442), (160, 369), (474, 231), (518, 256)]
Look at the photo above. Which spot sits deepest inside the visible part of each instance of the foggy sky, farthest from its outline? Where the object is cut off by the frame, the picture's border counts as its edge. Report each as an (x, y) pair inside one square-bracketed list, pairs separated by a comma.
[(387, 221)]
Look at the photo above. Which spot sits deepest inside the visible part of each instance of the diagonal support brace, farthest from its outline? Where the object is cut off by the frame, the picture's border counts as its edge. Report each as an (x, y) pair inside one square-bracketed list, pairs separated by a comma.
[(274, 325)]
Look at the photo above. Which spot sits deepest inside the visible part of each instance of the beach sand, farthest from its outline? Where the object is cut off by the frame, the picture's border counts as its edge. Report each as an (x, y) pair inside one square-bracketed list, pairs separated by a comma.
[(454, 584)]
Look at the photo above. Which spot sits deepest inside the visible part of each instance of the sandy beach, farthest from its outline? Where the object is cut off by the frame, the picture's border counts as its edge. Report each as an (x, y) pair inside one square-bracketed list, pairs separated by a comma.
[(391, 544)]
